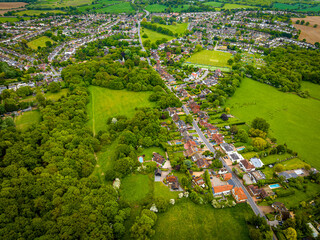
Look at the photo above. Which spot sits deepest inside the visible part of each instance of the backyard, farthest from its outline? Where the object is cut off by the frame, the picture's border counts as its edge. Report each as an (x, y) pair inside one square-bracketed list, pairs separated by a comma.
[(213, 58), (149, 151)]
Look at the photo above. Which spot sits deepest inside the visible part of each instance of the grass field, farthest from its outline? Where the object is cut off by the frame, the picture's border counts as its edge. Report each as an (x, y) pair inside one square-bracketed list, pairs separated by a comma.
[(105, 103), (293, 120), (291, 164), (178, 28), (37, 12), (213, 4), (162, 191), (61, 3), (154, 36), (155, 8), (236, 6), (39, 42), (311, 9), (27, 119), (123, 7), (135, 187), (211, 68), (213, 58), (186, 220), (148, 152), (48, 95), (312, 88), (12, 19)]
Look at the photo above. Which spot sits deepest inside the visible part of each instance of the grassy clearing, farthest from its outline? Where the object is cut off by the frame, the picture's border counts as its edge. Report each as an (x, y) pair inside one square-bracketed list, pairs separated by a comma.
[(148, 152), (48, 95), (236, 6), (37, 12), (213, 4), (123, 7), (213, 58), (154, 36), (105, 103), (312, 88), (39, 42), (293, 120), (179, 28), (12, 19), (162, 191), (24, 121), (311, 9), (186, 220), (135, 187)]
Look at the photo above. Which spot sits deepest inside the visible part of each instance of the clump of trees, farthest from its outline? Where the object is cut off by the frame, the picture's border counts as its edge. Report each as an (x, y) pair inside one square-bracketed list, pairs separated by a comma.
[(155, 28)]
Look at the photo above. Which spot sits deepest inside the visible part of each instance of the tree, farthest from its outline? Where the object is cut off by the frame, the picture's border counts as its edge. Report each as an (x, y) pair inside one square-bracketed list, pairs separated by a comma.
[(259, 143), (189, 119), (260, 123), (290, 233), (41, 99), (298, 21), (307, 23), (279, 167), (230, 62), (315, 26), (224, 117), (243, 135), (54, 87)]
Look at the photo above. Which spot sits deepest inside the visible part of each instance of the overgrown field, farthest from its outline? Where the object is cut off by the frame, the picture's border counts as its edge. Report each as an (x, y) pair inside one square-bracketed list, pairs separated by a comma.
[(208, 57), (27, 119), (39, 42), (62, 3), (154, 36), (11, 19), (293, 120)]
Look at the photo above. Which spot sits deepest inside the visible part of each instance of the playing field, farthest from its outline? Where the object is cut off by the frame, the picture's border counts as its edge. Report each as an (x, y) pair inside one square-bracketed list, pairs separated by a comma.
[(39, 42), (208, 57), (154, 36), (293, 120), (309, 33), (123, 7), (27, 119), (179, 28), (37, 12), (186, 220), (236, 6), (106, 103)]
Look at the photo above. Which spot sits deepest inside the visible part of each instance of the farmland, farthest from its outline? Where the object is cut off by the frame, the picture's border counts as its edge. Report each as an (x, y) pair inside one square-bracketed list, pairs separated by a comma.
[(37, 12), (123, 7), (236, 6), (309, 33), (11, 6), (154, 36), (27, 119), (39, 42), (213, 58), (57, 4), (293, 120)]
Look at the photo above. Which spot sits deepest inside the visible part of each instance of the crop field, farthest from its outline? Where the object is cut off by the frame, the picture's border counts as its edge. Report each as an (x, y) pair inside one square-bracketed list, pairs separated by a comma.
[(11, 6), (105, 103), (11, 19), (154, 36), (62, 3), (27, 119), (179, 28), (186, 220), (293, 120), (213, 4), (236, 6), (311, 9), (39, 42), (208, 57), (37, 12), (123, 7), (309, 33)]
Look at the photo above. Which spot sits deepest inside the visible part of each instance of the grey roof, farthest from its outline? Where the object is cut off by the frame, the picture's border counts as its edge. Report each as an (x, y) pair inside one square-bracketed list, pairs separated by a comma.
[(256, 162), (234, 156), (227, 147), (288, 175)]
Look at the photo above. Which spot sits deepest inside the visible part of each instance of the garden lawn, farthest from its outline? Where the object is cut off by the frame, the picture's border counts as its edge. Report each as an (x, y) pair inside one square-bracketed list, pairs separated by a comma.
[(179, 28), (37, 12), (27, 119), (39, 42), (163, 191), (312, 88), (186, 220), (275, 158), (236, 6), (154, 36), (208, 57), (123, 7), (135, 187), (293, 120), (148, 152), (105, 103)]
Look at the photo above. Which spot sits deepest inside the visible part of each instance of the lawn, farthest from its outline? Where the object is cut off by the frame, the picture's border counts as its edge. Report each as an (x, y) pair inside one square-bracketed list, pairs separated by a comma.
[(186, 220), (236, 6), (37, 12), (213, 4), (213, 58), (123, 7), (312, 88), (154, 36), (106, 103), (148, 152), (179, 28), (275, 158), (39, 42), (162, 191), (27, 119), (293, 120), (135, 187), (12, 19), (211, 68), (48, 95)]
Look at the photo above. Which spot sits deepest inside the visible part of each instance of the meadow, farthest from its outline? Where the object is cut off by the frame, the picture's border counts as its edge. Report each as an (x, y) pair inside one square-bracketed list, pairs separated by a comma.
[(123, 7), (208, 57), (135, 187), (62, 3), (213, 4), (179, 28), (24, 121), (48, 95), (293, 120), (186, 220), (155, 8), (12, 19), (39, 42), (37, 12), (236, 6), (212, 68), (313, 89), (154, 36)]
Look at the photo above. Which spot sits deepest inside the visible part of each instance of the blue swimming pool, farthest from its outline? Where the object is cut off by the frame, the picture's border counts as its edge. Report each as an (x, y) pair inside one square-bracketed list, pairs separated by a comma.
[(178, 143), (240, 149), (140, 159), (274, 186)]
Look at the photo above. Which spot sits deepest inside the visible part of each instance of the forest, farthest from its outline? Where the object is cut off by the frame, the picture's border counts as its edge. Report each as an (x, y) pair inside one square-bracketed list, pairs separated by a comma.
[(8, 72)]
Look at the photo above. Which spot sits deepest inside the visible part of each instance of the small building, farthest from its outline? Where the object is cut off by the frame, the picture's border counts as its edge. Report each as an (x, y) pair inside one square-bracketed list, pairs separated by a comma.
[(199, 181), (246, 166), (282, 210), (158, 158), (158, 172), (173, 182), (256, 162), (224, 189), (222, 171), (227, 176), (235, 156), (239, 195)]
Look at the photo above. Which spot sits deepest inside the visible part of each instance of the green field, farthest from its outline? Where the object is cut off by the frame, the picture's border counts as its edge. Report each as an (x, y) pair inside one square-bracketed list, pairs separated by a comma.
[(211, 68), (213, 4), (186, 220), (37, 12), (48, 95), (105, 103), (311, 9), (62, 3), (135, 187), (39, 42), (162, 191), (155, 8), (95, 6), (123, 7), (154, 36), (179, 28), (236, 6), (27, 119), (148, 152), (12, 19), (312, 88), (293, 120), (208, 57)]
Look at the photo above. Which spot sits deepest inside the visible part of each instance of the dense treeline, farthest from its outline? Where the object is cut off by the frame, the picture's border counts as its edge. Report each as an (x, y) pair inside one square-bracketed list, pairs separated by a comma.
[(155, 28), (45, 192), (287, 67), (7, 72)]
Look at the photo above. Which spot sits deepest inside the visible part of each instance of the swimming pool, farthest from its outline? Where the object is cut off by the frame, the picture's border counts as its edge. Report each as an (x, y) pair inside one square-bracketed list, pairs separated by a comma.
[(140, 159), (178, 143), (274, 186), (240, 148)]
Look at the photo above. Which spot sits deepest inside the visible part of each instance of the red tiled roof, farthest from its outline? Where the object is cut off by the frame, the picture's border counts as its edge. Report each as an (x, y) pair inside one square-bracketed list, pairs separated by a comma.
[(222, 188)]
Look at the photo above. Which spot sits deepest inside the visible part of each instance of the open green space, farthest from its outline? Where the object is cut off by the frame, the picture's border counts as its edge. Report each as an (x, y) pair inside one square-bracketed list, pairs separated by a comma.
[(293, 120), (154, 36), (269, 159), (186, 220), (27, 119), (311, 9), (12, 19), (135, 187), (208, 57), (37, 12), (312, 88), (179, 28), (48, 95), (211, 68), (148, 152), (106, 103), (39, 42), (123, 7), (163, 191), (236, 6), (45, 4), (155, 8), (213, 4)]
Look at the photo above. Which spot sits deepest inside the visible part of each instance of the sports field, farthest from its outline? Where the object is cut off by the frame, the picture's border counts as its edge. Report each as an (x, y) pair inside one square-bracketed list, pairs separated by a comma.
[(37, 12), (27, 119), (179, 28), (293, 120), (208, 57), (105, 103), (123, 7), (186, 220), (236, 6), (154, 36), (39, 42)]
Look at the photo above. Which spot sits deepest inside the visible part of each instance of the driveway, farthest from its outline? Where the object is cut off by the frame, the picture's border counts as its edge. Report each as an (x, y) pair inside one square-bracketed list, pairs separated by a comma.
[(167, 165)]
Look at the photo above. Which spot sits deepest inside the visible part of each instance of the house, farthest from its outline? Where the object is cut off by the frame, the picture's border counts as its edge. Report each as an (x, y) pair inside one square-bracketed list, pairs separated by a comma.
[(158, 158), (199, 181), (256, 162), (217, 138), (293, 173), (202, 163), (224, 189), (235, 156), (239, 195), (282, 210), (246, 166), (173, 182), (227, 176), (195, 108), (227, 147), (191, 148), (257, 175), (222, 171), (158, 172), (254, 190)]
